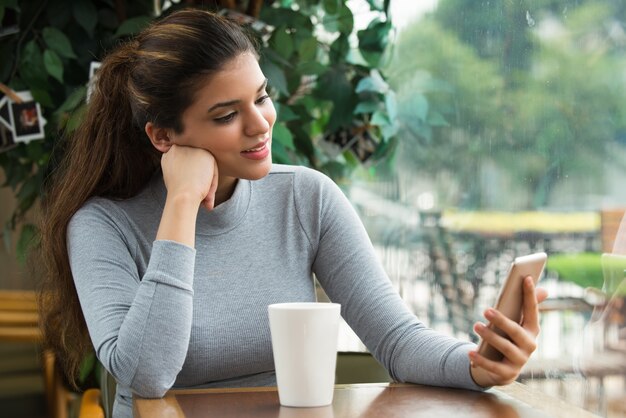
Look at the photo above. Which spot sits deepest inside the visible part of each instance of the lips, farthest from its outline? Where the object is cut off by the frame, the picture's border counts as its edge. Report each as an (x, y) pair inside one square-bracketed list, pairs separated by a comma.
[(258, 152), (259, 148)]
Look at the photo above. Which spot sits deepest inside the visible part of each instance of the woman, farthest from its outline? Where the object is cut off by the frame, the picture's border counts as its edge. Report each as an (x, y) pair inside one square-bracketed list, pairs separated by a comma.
[(170, 226)]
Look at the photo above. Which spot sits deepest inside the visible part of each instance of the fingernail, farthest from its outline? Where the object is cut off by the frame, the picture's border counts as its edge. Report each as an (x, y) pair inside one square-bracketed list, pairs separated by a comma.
[(489, 313)]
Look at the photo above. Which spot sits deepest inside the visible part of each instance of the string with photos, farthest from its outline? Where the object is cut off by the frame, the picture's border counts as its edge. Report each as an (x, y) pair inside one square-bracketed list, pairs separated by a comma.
[(21, 118)]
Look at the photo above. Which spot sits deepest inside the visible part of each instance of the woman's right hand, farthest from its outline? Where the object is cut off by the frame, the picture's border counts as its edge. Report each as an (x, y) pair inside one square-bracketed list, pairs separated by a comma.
[(190, 173)]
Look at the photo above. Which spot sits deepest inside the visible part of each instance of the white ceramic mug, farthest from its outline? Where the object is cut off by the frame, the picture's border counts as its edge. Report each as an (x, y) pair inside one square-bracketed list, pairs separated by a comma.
[(304, 343)]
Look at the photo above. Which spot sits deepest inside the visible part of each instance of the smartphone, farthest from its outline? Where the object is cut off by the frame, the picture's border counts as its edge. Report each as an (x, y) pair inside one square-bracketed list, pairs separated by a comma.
[(510, 298)]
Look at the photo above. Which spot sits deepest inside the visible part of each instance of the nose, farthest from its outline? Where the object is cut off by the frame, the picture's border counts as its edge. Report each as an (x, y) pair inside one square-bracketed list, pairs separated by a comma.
[(259, 121)]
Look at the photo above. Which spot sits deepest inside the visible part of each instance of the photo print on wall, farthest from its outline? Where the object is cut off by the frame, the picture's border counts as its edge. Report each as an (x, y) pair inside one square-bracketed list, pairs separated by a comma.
[(20, 121)]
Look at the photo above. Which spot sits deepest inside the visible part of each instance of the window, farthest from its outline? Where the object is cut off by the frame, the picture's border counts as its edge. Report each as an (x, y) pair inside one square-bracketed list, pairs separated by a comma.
[(512, 140)]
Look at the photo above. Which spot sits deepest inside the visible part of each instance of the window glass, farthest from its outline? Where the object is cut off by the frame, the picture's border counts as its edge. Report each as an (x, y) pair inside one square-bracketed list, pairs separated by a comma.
[(512, 140)]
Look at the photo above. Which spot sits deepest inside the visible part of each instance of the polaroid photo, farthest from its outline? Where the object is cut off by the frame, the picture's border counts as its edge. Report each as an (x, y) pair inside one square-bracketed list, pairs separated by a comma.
[(7, 140), (5, 119), (94, 66), (26, 118)]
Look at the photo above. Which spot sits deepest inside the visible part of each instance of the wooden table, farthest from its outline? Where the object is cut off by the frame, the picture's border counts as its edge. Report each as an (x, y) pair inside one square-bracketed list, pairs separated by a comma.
[(373, 400)]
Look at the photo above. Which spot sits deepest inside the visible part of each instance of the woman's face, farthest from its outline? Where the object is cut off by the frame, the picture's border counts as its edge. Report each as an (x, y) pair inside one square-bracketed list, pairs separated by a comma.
[(232, 117)]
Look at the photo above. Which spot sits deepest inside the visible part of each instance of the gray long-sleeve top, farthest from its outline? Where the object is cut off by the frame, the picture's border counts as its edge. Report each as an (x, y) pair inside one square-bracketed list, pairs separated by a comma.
[(161, 314)]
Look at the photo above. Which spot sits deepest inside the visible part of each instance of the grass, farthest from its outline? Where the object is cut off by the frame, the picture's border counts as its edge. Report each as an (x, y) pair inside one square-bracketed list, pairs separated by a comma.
[(601, 271)]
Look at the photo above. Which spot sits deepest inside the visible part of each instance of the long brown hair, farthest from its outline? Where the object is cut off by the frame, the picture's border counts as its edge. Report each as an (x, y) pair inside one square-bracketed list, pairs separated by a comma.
[(150, 78)]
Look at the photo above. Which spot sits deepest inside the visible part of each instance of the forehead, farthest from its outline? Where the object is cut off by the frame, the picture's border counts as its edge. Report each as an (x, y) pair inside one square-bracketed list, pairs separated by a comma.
[(238, 79)]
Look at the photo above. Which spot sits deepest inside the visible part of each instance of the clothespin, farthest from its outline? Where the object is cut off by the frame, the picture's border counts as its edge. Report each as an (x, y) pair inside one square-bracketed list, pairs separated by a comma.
[(10, 94)]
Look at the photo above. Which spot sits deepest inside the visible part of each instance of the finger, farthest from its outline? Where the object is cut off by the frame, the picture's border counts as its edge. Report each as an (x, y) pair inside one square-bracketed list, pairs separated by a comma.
[(214, 180), (531, 307), (541, 293), (209, 200), (505, 346), (505, 373), (519, 336)]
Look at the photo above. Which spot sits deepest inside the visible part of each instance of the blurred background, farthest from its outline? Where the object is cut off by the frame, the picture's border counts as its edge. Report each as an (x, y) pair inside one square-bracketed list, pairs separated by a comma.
[(512, 119)]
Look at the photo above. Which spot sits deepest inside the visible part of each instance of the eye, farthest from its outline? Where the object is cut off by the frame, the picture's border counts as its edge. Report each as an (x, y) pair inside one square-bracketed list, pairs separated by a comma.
[(263, 99), (226, 119)]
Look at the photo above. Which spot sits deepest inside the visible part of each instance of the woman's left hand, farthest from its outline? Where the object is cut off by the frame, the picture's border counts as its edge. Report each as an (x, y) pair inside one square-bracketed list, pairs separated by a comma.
[(517, 348)]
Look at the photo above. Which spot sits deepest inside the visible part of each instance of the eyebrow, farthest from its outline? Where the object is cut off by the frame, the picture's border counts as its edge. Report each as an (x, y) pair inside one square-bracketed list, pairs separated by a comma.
[(233, 102)]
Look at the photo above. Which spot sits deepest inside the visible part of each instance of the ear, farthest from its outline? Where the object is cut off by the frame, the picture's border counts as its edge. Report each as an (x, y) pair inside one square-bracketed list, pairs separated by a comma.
[(160, 137)]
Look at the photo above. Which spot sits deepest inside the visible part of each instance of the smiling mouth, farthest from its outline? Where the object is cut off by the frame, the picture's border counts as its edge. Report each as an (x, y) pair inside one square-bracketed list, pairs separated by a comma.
[(259, 148)]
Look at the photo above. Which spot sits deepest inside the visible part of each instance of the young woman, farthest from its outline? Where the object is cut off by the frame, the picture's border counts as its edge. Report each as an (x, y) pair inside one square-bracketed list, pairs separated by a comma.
[(167, 232)]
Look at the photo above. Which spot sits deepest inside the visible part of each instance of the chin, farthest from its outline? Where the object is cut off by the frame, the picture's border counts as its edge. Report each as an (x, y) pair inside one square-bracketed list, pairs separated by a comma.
[(259, 172)]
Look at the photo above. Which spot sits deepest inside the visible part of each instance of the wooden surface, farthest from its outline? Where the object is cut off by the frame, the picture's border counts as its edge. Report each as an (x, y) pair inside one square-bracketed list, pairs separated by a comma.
[(19, 319), (19, 322), (363, 401)]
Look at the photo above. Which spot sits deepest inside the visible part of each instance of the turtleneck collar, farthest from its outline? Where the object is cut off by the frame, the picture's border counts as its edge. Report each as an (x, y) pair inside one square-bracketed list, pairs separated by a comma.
[(222, 218)]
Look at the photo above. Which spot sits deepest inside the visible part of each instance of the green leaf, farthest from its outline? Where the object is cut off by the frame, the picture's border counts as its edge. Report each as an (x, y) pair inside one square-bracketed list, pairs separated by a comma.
[(335, 87), (311, 67), (284, 16), (380, 119), (282, 134), (342, 22), (373, 83), (58, 42), (285, 114), (366, 107), (275, 75), (391, 103), (281, 42), (86, 367), (436, 119), (373, 40), (132, 26), (53, 64), (340, 49), (25, 241), (376, 4), (42, 97), (73, 100), (308, 49), (31, 67), (418, 106), (389, 131), (86, 15), (280, 154), (332, 6), (75, 119)]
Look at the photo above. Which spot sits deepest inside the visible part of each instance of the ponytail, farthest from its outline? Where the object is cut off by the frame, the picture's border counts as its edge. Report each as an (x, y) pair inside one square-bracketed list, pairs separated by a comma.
[(108, 155)]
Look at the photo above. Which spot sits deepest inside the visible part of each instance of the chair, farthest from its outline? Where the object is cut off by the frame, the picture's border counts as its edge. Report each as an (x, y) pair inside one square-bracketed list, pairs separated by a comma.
[(19, 322), (90, 405)]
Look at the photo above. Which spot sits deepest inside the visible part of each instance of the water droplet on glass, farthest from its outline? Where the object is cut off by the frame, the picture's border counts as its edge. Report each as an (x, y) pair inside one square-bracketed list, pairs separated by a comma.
[(529, 19)]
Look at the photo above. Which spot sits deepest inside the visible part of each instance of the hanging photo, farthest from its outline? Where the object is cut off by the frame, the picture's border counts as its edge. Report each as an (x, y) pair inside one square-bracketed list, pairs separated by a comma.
[(5, 118), (7, 136), (26, 119), (7, 140), (93, 71)]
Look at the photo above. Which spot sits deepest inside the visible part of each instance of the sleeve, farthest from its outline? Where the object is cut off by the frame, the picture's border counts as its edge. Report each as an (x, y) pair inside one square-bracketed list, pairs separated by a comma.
[(348, 269), (140, 326)]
